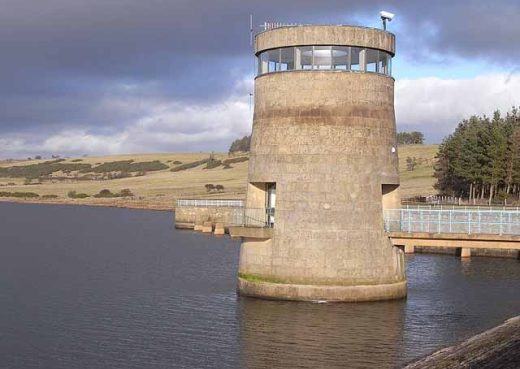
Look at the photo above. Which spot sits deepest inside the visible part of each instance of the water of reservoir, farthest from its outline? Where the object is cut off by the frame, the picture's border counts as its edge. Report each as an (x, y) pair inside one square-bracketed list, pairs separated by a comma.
[(87, 287)]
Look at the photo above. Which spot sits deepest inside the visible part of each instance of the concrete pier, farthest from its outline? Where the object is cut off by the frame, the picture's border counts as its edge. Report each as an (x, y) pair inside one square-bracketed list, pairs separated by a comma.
[(207, 227), (219, 228)]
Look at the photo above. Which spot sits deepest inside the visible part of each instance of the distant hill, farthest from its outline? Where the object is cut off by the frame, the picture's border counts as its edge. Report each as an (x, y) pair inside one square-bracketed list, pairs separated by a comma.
[(157, 180)]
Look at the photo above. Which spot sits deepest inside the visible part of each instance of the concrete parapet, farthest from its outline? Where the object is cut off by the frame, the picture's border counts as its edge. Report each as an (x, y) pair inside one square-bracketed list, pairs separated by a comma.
[(326, 35)]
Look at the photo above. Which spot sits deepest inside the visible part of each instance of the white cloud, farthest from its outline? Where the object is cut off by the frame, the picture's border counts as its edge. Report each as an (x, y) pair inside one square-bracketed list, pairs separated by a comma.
[(159, 126), (437, 105), (432, 105)]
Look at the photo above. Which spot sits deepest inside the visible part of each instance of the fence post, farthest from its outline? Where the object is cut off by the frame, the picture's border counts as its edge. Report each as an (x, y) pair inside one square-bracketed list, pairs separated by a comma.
[(451, 211), (439, 229), (501, 221), (469, 223)]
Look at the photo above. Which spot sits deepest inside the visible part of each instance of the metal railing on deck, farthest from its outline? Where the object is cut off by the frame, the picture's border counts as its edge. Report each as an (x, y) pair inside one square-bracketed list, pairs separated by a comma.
[(469, 221), (210, 202), (253, 217), (460, 207)]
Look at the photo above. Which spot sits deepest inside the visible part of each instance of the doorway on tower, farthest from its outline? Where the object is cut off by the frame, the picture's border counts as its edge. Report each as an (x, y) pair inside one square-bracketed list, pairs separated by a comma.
[(391, 201), (270, 203), (260, 204)]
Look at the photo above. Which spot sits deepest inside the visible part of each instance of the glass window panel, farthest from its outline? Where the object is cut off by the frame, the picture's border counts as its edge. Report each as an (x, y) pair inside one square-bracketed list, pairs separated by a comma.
[(382, 63), (372, 59), (322, 57), (340, 57), (355, 58), (287, 58), (263, 63), (305, 57), (273, 60)]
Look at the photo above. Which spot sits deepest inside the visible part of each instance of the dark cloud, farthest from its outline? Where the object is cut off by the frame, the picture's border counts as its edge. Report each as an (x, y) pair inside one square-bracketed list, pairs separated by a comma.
[(63, 61)]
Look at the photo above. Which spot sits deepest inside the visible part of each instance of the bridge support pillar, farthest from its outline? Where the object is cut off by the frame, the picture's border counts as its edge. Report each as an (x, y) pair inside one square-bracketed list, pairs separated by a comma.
[(465, 252), (219, 228), (409, 249), (198, 226), (207, 227)]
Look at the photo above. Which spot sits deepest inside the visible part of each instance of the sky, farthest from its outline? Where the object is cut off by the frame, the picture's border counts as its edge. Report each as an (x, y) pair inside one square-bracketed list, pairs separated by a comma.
[(103, 77)]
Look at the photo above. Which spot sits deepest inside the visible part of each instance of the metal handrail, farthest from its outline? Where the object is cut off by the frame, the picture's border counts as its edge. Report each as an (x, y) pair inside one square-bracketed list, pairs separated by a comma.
[(210, 202), (468, 221)]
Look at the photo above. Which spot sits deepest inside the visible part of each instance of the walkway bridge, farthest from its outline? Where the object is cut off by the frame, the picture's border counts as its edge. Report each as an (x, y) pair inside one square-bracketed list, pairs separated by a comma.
[(468, 230), (465, 229)]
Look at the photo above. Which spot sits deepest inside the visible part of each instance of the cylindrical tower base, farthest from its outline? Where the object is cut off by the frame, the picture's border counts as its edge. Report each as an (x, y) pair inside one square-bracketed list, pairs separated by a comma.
[(299, 292)]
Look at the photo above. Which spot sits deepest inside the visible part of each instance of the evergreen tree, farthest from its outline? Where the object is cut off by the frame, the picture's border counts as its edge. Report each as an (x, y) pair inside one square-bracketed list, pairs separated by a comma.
[(481, 159)]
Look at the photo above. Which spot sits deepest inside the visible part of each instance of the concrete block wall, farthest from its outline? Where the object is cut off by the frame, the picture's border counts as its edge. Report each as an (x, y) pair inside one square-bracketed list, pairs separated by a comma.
[(188, 216)]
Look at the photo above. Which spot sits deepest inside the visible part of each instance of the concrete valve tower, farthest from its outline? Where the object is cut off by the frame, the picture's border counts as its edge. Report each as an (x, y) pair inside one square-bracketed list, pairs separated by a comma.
[(323, 167)]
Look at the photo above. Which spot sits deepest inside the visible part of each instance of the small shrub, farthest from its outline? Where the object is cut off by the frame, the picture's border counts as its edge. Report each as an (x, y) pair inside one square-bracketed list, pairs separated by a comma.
[(176, 162), (125, 192), (75, 195), (213, 163), (219, 188), (411, 163), (5, 194), (236, 160), (209, 187), (25, 194), (76, 160), (49, 196), (105, 194), (189, 165), (124, 166)]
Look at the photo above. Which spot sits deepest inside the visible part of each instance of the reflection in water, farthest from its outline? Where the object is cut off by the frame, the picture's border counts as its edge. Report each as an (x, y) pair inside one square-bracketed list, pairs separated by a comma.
[(449, 299), (306, 335)]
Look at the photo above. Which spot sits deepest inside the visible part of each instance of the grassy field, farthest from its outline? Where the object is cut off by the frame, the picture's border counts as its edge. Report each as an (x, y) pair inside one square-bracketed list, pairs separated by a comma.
[(158, 189), (419, 181)]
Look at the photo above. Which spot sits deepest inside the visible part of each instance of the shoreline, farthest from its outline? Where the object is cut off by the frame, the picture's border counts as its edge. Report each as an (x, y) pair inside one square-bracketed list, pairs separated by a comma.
[(495, 348), (128, 204)]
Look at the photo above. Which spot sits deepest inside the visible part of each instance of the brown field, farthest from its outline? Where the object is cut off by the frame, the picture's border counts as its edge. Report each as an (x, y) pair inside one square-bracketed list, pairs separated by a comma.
[(160, 189)]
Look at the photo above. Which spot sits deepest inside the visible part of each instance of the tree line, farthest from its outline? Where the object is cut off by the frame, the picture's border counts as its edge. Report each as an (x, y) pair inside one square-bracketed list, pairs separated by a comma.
[(481, 159), (410, 138), (240, 145)]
